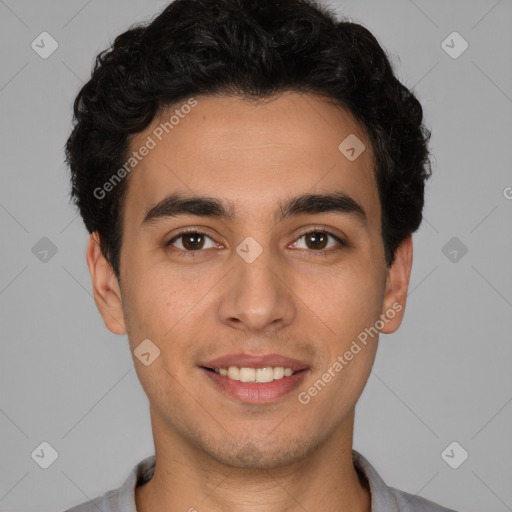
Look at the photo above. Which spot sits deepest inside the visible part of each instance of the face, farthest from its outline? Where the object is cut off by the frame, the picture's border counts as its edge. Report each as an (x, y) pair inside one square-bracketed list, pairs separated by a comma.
[(298, 280)]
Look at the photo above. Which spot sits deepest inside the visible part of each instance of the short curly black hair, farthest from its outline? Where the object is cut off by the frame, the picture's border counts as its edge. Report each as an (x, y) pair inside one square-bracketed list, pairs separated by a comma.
[(254, 49)]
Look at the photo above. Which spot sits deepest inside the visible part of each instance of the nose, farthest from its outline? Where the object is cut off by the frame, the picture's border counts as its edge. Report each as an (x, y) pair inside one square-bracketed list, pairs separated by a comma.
[(259, 295)]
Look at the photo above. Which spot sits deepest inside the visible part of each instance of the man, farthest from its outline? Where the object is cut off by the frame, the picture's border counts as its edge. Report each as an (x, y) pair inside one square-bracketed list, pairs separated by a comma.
[(251, 174)]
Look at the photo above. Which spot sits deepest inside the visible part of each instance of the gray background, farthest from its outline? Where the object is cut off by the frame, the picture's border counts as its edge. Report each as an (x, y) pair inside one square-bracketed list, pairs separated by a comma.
[(444, 376)]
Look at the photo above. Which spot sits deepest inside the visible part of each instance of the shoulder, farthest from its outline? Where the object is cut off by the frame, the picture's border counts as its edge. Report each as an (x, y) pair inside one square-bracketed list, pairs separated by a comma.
[(106, 503), (122, 499), (411, 503), (389, 499)]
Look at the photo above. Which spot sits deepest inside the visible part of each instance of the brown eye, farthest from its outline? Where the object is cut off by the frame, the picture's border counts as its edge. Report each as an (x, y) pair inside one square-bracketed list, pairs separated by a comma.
[(316, 240), (190, 241)]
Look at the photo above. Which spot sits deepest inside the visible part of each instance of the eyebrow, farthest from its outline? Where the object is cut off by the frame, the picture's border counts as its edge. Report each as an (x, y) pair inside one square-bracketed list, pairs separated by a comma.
[(177, 204)]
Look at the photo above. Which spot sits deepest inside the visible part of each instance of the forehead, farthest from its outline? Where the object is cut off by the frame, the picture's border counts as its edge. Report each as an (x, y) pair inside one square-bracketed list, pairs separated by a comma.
[(251, 154)]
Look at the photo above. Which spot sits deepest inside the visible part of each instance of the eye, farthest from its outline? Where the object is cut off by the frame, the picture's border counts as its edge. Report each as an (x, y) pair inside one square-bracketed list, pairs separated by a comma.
[(191, 241), (317, 240)]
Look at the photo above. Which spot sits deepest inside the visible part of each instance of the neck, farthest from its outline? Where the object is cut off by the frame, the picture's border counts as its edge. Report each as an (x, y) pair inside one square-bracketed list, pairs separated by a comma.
[(188, 479)]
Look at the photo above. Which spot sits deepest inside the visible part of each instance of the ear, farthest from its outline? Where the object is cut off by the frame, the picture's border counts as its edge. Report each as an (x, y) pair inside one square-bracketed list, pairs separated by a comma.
[(107, 293), (397, 284)]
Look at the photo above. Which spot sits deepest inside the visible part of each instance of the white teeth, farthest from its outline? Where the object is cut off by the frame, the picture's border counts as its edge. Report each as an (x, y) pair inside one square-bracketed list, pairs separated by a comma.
[(247, 375), (265, 374), (234, 373), (278, 372)]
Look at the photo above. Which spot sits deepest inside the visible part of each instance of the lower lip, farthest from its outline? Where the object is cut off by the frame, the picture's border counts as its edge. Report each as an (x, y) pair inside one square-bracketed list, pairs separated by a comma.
[(256, 392)]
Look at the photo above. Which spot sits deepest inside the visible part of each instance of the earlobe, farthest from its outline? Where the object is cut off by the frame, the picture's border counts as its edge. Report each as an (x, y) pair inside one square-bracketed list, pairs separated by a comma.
[(397, 285), (107, 293)]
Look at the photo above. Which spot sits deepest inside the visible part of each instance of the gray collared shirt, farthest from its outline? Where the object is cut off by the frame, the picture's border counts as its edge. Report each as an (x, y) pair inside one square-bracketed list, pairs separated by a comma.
[(384, 498)]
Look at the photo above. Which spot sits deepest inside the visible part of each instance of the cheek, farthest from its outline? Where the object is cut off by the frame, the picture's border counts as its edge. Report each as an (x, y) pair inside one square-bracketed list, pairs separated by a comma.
[(152, 284), (346, 300), (163, 305)]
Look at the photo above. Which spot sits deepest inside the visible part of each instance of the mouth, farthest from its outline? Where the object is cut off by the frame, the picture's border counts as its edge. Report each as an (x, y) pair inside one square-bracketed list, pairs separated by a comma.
[(260, 375), (255, 379)]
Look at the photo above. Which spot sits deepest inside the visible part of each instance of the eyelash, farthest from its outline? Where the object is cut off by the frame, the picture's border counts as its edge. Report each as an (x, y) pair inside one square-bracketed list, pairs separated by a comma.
[(193, 254)]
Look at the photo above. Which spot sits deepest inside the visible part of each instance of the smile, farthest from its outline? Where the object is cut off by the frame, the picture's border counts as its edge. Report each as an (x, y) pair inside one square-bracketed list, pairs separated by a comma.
[(261, 375)]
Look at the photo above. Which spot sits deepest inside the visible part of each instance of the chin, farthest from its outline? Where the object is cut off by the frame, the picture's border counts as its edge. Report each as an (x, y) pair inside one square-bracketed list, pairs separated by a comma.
[(259, 455)]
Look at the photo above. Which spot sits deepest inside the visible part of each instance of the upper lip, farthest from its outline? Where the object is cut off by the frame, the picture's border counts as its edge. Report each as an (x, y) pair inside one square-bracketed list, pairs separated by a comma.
[(255, 361)]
